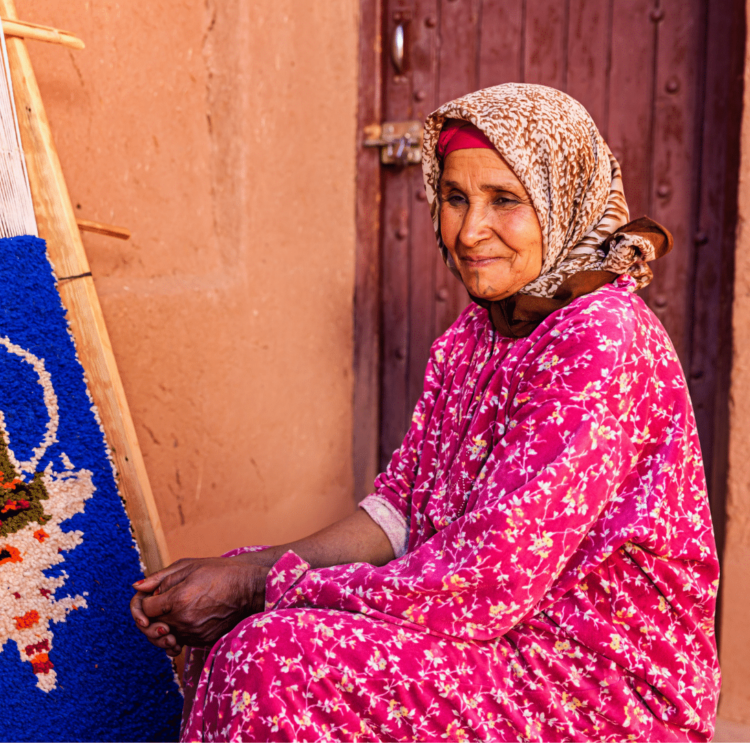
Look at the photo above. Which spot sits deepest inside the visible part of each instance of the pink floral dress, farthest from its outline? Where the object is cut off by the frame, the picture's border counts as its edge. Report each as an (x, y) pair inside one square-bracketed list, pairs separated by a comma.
[(560, 573)]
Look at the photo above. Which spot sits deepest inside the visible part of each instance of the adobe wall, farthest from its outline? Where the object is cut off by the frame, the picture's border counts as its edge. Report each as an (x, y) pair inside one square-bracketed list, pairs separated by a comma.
[(735, 629), (223, 135)]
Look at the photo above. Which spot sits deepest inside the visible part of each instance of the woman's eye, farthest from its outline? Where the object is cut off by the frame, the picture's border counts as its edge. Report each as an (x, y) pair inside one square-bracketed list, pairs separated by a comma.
[(505, 201), (456, 199)]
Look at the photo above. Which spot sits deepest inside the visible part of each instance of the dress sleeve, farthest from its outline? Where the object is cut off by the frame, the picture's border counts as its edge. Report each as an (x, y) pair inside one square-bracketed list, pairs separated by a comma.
[(560, 460)]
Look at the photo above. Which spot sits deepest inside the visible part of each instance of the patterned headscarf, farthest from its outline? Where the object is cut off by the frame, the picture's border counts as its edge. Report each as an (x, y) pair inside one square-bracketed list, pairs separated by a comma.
[(574, 182)]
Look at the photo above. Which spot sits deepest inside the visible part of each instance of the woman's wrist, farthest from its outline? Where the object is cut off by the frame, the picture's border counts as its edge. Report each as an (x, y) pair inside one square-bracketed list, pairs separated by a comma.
[(264, 558), (255, 586)]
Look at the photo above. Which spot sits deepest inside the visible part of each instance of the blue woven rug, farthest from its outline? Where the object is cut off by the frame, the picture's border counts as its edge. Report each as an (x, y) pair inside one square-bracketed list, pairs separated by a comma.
[(72, 664)]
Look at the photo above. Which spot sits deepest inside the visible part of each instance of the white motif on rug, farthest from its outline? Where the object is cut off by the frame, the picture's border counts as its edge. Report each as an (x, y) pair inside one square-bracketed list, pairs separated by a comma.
[(28, 607)]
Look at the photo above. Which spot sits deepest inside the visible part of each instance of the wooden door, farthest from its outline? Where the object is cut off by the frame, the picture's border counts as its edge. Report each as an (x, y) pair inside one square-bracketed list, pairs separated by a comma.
[(663, 81)]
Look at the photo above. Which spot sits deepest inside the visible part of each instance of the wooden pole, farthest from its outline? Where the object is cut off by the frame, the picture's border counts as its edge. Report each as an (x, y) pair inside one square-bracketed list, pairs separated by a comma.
[(57, 225), (110, 230), (27, 30)]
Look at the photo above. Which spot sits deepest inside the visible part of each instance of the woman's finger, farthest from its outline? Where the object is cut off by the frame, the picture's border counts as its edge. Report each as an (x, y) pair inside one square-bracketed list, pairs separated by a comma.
[(171, 580), (157, 606), (148, 585), (167, 642), (156, 631), (136, 609)]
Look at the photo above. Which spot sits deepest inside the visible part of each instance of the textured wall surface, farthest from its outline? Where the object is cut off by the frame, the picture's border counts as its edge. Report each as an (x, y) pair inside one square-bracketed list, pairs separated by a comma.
[(223, 136), (735, 642)]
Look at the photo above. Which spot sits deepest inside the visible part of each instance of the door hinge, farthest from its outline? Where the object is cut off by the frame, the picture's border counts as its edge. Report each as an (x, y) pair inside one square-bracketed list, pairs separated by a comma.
[(400, 142)]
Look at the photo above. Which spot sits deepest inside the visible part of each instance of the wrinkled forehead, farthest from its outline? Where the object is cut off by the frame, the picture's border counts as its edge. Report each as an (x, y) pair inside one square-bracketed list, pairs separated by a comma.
[(482, 169)]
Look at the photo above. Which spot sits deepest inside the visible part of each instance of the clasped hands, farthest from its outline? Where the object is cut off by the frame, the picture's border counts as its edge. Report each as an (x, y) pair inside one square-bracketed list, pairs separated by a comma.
[(197, 601)]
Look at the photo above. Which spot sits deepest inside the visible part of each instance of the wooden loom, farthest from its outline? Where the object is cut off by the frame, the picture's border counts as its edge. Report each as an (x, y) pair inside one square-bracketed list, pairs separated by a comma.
[(58, 226)]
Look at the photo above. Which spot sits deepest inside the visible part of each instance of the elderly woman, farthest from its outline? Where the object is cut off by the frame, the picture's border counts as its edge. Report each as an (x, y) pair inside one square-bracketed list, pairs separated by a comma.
[(537, 562)]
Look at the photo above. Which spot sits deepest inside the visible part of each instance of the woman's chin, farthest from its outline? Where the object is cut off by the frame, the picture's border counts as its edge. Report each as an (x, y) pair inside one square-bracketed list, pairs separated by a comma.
[(489, 292), (497, 285)]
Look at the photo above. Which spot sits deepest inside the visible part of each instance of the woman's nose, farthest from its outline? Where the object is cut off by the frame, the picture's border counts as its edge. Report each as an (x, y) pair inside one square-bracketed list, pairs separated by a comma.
[(475, 227)]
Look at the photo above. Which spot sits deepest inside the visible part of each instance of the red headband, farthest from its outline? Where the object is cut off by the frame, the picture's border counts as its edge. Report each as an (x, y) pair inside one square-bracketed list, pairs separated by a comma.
[(457, 134)]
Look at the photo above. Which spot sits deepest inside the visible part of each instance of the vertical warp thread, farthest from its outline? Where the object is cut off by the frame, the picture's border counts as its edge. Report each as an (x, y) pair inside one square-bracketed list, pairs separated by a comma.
[(16, 206)]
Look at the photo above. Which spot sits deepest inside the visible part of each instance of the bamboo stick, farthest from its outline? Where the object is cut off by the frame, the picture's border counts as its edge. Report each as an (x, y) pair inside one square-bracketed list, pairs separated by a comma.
[(99, 228), (57, 225), (26, 30)]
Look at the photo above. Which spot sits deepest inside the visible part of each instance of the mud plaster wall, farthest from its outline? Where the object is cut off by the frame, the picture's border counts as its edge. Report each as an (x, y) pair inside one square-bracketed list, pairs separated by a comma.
[(735, 641), (223, 135)]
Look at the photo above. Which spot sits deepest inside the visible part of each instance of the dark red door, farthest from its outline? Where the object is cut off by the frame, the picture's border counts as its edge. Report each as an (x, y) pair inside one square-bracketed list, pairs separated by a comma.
[(662, 79)]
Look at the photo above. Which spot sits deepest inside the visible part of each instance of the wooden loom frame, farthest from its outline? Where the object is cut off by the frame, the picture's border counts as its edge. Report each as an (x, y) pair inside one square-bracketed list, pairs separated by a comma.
[(57, 225)]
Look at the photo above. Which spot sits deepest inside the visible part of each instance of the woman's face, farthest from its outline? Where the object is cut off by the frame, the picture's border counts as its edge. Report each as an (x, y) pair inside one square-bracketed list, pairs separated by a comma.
[(488, 224)]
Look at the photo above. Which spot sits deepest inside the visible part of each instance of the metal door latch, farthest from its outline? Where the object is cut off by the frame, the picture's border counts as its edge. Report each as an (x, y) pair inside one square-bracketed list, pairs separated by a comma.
[(400, 142)]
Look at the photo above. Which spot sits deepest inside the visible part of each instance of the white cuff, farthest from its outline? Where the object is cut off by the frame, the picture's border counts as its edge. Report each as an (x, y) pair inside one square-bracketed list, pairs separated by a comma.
[(389, 520)]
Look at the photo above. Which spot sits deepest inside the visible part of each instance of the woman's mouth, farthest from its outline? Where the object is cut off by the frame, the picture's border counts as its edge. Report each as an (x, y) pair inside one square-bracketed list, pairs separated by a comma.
[(479, 261)]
